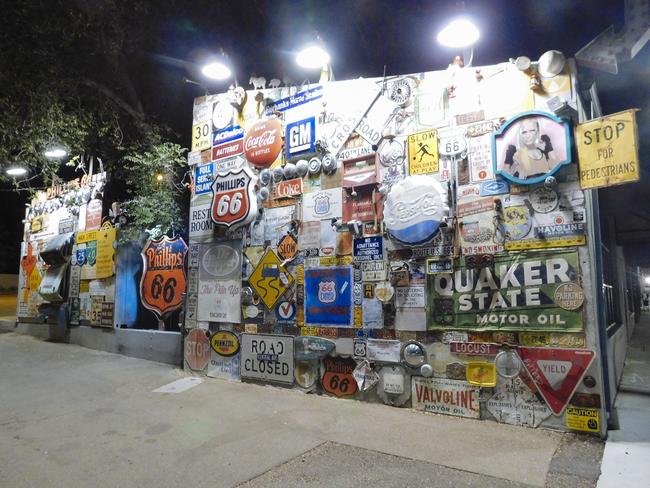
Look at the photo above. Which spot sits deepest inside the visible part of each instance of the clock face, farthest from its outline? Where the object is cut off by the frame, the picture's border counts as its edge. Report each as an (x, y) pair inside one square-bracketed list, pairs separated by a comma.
[(222, 114), (401, 92)]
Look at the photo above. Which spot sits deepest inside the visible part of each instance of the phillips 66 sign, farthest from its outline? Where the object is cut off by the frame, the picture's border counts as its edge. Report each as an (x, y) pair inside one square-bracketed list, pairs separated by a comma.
[(163, 276), (233, 198)]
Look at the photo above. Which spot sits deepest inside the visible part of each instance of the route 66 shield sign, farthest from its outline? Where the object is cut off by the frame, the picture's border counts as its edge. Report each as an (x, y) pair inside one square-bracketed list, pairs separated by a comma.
[(233, 198), (163, 276)]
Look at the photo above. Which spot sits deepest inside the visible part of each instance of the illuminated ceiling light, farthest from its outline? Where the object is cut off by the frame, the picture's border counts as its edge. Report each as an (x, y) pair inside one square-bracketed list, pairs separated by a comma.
[(459, 33), (16, 171), (647, 280), (55, 152), (216, 70), (313, 57)]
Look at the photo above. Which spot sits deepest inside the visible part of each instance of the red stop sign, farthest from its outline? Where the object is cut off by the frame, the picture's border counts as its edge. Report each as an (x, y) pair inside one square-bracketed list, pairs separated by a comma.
[(197, 350)]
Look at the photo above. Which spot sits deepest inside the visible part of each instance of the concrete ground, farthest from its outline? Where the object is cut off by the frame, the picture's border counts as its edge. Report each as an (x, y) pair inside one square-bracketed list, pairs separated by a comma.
[(625, 460), (75, 417)]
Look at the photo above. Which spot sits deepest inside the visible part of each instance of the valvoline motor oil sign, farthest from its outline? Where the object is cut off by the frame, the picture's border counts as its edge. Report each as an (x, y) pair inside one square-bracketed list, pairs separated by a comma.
[(328, 296)]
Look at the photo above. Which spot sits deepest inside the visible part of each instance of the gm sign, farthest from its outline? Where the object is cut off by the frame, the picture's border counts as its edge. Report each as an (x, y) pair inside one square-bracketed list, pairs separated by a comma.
[(301, 136)]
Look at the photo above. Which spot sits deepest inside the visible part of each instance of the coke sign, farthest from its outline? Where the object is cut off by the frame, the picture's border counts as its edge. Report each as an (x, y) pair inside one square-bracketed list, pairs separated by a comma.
[(233, 198), (163, 276), (263, 143)]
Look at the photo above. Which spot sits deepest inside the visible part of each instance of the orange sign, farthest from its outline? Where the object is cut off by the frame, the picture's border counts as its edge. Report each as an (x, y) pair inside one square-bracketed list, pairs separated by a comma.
[(338, 379), (163, 276), (287, 247)]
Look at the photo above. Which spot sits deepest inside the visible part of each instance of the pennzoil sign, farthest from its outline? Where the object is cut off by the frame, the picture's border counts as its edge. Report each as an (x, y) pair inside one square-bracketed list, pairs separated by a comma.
[(163, 279), (233, 198)]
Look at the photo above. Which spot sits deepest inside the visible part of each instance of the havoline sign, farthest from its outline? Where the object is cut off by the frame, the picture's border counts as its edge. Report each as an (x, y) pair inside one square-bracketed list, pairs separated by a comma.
[(524, 292)]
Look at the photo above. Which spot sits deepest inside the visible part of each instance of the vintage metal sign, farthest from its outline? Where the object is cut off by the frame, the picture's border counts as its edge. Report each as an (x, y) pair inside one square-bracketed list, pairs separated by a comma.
[(338, 379), (423, 152), (301, 136), (163, 276), (202, 178), (197, 350), (270, 279), (608, 150), (530, 147), (583, 419), (312, 348), (436, 265), (415, 208), (368, 249), (328, 296), (514, 403), (441, 395), (227, 150), (517, 293), (287, 247), (201, 135), (263, 142), (323, 204), (233, 198), (266, 357), (409, 297), (287, 189), (383, 350), (225, 368), (219, 291), (556, 372), (225, 343), (474, 348)]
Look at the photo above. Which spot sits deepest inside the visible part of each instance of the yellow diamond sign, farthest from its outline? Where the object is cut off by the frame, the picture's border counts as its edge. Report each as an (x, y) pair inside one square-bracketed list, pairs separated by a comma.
[(270, 279)]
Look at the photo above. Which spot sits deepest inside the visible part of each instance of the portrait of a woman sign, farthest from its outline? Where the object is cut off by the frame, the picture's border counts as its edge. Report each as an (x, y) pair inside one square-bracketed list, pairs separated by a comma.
[(530, 147)]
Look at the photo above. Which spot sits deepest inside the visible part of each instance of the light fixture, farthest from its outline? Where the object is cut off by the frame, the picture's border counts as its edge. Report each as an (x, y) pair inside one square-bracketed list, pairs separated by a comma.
[(459, 33), (647, 280), (313, 57), (55, 152), (216, 70), (16, 171)]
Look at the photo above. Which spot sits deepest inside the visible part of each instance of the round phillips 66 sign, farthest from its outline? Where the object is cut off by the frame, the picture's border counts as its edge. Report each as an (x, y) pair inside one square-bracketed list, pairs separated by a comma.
[(163, 279)]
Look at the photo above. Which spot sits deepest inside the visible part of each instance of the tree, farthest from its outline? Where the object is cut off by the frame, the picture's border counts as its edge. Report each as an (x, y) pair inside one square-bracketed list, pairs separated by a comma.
[(70, 76)]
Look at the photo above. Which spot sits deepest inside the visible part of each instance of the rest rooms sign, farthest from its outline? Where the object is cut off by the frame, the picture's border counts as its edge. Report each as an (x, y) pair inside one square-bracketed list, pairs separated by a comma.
[(520, 292), (266, 357)]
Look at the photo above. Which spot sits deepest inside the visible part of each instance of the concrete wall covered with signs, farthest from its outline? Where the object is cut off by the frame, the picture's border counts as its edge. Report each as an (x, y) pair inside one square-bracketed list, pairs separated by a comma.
[(418, 240), (67, 266)]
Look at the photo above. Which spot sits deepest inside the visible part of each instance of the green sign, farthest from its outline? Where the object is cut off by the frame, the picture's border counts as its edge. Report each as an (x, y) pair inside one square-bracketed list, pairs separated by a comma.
[(521, 292)]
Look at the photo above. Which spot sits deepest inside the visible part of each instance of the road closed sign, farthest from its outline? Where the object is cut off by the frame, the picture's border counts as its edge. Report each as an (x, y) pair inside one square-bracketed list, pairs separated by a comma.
[(268, 358), (608, 150)]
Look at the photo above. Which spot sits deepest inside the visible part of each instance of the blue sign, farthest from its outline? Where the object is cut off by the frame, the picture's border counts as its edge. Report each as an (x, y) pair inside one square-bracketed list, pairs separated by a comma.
[(369, 248), (81, 257), (301, 136), (494, 187), (328, 296), (294, 100), (203, 179), (227, 135)]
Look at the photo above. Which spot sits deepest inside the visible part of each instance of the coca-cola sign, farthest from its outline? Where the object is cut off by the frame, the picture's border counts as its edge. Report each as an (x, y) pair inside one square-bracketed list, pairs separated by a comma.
[(263, 142)]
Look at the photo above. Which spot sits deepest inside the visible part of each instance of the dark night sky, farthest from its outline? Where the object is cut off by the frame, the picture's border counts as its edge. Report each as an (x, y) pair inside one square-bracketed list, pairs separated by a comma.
[(363, 35)]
